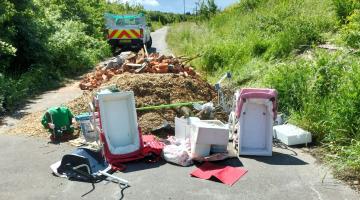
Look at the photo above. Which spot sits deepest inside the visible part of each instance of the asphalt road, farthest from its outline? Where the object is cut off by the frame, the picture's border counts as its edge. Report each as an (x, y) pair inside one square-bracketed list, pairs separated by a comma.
[(25, 174), (288, 174), (159, 41)]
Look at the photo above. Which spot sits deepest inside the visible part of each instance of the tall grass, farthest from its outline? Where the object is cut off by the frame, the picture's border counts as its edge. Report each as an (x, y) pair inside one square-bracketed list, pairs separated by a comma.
[(275, 29), (273, 44), (323, 96)]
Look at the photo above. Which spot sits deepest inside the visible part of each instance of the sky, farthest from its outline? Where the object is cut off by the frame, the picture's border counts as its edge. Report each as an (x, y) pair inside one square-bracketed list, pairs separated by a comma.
[(176, 6)]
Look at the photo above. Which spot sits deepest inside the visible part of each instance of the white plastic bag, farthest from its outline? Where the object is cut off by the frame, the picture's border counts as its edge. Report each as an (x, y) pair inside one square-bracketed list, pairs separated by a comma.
[(207, 106), (177, 152)]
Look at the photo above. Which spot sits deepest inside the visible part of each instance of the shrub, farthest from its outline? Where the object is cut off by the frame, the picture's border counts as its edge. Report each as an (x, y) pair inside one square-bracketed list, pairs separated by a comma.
[(73, 50), (290, 80), (351, 31), (43, 40), (344, 8), (250, 4), (2, 93), (323, 95)]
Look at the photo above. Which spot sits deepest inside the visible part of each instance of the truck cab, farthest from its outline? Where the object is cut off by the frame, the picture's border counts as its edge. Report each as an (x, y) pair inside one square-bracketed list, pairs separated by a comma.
[(127, 31)]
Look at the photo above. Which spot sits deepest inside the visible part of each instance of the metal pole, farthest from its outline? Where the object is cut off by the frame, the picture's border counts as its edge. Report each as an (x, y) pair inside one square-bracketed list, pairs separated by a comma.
[(196, 8), (184, 8)]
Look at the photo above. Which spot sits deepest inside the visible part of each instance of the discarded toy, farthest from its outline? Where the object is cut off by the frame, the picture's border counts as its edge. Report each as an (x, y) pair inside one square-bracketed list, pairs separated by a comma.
[(256, 110), (58, 120), (120, 134)]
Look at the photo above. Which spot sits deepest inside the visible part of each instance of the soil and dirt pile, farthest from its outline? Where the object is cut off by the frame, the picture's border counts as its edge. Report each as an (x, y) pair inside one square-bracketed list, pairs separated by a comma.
[(149, 89), (158, 89)]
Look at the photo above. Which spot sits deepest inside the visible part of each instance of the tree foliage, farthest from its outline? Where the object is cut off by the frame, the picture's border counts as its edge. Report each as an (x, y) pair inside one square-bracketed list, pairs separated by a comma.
[(207, 9), (43, 40)]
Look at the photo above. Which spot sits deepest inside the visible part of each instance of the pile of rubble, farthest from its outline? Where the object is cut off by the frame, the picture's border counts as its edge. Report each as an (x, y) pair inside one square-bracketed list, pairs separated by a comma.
[(155, 80), (137, 63), (158, 89), (149, 90)]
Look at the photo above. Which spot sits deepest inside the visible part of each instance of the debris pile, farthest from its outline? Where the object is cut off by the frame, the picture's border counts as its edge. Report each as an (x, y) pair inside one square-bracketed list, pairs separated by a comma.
[(149, 90), (158, 89), (150, 84), (137, 63)]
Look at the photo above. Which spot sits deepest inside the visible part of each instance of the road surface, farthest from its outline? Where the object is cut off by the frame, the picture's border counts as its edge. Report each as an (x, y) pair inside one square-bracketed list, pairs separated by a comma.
[(288, 174), (159, 41)]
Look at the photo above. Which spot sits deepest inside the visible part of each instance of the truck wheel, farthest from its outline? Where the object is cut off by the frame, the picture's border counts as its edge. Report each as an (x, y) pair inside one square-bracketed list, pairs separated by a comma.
[(114, 49), (149, 43)]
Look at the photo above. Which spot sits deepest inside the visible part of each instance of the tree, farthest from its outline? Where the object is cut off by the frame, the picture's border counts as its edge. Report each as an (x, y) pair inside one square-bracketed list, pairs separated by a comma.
[(213, 8), (7, 50), (207, 9)]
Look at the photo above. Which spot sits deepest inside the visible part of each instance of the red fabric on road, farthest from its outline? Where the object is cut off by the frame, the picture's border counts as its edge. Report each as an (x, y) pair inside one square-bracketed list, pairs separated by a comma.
[(226, 174)]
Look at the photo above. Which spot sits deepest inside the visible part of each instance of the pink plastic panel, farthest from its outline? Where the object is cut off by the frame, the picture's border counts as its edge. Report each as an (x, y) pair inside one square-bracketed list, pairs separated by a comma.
[(256, 93)]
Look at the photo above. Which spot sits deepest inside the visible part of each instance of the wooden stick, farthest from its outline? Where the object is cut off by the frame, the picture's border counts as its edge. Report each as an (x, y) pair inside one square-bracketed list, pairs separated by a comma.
[(146, 52)]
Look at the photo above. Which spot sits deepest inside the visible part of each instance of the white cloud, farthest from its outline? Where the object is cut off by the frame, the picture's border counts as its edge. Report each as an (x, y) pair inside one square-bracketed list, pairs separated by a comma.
[(153, 3)]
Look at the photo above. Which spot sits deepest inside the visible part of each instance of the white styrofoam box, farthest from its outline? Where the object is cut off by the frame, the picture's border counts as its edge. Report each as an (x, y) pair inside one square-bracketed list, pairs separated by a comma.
[(215, 148), (210, 132), (119, 122), (182, 127), (200, 150), (205, 133), (255, 128), (291, 135)]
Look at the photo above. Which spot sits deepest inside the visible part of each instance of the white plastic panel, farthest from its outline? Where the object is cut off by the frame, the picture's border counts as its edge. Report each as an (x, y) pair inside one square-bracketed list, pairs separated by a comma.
[(119, 122), (255, 128)]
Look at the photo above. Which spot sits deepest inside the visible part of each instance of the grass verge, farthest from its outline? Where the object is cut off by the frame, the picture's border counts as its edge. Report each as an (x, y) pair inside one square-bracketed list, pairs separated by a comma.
[(274, 44)]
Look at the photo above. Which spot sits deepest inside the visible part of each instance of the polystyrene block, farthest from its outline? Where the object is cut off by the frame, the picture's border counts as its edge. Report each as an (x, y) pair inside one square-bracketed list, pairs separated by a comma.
[(200, 150), (182, 127), (291, 135), (205, 133), (210, 132)]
